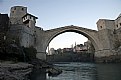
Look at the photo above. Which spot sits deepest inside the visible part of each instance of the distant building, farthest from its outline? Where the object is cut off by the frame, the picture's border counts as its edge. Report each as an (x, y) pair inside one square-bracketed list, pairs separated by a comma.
[(52, 51), (80, 48), (67, 50), (59, 51), (90, 47)]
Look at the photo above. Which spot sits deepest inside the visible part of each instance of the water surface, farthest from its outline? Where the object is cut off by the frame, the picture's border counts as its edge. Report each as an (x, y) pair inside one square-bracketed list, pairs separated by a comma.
[(83, 71), (88, 71)]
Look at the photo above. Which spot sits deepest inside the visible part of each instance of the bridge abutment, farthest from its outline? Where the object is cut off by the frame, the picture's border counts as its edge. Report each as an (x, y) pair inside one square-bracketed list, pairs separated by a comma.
[(104, 56), (41, 55), (103, 53)]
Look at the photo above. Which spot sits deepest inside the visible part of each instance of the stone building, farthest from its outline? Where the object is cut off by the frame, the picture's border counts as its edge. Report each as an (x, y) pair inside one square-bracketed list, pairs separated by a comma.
[(90, 48), (22, 27), (109, 33), (52, 51), (78, 48), (67, 50)]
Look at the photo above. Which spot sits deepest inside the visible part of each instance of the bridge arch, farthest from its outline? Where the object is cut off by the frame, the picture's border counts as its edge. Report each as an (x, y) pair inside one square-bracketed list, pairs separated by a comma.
[(88, 33)]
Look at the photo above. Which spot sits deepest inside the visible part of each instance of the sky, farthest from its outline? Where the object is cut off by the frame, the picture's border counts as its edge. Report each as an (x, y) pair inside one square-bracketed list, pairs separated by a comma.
[(59, 13)]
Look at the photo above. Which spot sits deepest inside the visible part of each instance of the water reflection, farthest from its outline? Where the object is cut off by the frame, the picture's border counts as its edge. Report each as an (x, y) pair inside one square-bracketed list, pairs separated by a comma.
[(76, 71), (109, 71), (39, 74), (83, 71)]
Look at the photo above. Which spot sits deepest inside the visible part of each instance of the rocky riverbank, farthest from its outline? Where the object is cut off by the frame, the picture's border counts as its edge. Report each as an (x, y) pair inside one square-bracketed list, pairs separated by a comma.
[(10, 70), (15, 71), (50, 68)]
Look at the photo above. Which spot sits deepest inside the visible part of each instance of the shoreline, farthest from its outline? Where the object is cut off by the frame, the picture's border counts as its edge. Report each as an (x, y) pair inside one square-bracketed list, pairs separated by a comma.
[(10, 70)]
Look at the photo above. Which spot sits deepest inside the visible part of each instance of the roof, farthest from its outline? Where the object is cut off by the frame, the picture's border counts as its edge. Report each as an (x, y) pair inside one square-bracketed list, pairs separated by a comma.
[(103, 20), (119, 15), (30, 15)]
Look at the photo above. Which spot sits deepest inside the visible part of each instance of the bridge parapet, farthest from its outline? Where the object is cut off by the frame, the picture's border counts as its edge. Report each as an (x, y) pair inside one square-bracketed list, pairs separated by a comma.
[(73, 27)]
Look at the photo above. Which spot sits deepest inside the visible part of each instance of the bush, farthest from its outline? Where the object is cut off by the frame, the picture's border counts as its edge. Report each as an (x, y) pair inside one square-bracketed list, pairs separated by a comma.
[(30, 53)]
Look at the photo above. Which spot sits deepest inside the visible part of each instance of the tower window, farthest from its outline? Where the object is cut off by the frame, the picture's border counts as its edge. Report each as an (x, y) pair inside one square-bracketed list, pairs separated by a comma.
[(22, 9), (116, 25), (12, 11), (120, 24), (100, 26), (15, 8), (24, 18)]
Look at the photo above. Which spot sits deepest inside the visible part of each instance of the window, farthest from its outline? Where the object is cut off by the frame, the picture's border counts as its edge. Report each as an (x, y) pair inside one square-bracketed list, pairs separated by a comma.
[(24, 18), (120, 24), (100, 26), (117, 26), (22, 9), (30, 17), (27, 25), (15, 8), (12, 11)]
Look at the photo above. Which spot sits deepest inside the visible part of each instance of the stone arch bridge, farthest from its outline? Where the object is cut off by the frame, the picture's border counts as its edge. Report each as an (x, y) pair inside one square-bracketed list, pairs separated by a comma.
[(44, 37)]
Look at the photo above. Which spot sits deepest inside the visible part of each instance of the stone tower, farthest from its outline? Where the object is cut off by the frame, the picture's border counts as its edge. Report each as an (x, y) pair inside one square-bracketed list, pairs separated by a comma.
[(105, 24), (22, 26), (106, 36), (16, 14), (118, 22)]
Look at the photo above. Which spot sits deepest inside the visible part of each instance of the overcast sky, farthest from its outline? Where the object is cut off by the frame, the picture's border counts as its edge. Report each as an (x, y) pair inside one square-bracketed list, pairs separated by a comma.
[(58, 13)]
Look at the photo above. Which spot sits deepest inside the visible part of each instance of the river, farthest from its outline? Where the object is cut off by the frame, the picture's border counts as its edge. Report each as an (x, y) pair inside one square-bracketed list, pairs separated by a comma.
[(84, 71)]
